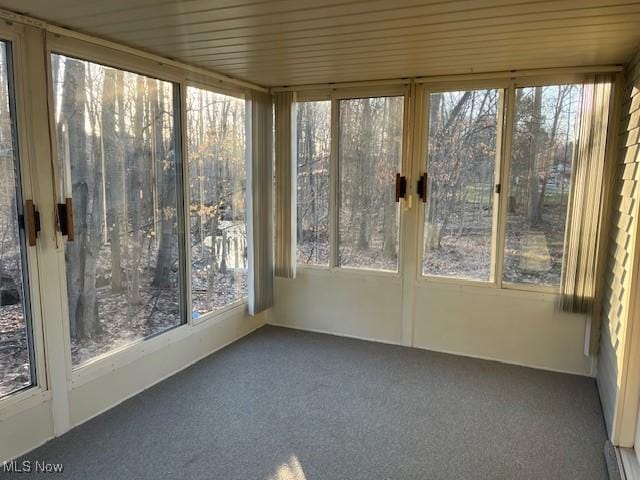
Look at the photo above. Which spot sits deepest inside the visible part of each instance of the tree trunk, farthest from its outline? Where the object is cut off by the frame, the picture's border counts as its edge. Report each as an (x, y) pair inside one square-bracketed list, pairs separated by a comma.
[(113, 176), (90, 323), (73, 117), (168, 200), (137, 193), (432, 232), (213, 265), (550, 151), (121, 179), (363, 176), (534, 213), (390, 227), (310, 150)]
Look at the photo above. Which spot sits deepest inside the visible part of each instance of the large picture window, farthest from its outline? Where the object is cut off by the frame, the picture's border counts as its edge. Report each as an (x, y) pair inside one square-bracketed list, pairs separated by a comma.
[(217, 183), (461, 163), (313, 190), (543, 142), (369, 156), (119, 163)]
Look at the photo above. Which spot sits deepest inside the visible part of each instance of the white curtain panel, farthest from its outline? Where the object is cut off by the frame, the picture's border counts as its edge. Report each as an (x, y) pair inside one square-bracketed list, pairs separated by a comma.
[(259, 201), (286, 157)]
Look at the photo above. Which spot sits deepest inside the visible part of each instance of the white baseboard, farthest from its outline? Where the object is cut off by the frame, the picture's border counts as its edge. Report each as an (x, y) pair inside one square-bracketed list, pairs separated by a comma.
[(447, 352)]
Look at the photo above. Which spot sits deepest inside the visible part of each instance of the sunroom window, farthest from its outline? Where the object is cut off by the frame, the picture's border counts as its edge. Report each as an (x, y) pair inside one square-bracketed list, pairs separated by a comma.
[(313, 188), (119, 163), (545, 132), (369, 156), (461, 163), (217, 183), (17, 361)]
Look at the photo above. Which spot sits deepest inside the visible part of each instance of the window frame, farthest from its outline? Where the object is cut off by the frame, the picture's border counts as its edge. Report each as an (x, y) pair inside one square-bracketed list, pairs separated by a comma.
[(414, 158), (18, 85), (231, 92), (107, 57), (307, 97), (96, 52), (526, 82), (318, 96), (423, 165), (506, 117), (335, 95)]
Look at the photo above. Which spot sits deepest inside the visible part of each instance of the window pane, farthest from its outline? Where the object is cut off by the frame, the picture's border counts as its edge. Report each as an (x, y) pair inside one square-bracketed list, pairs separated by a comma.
[(370, 155), (116, 141), (461, 164), (217, 178), (314, 153), (16, 363), (544, 136)]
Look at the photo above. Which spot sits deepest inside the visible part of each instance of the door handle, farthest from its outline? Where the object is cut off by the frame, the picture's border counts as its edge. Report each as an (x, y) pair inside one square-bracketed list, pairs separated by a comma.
[(422, 188), (65, 218), (32, 220), (401, 187)]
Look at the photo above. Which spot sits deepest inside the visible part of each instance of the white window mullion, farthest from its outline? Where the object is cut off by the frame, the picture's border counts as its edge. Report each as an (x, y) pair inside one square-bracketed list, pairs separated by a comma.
[(502, 178), (186, 202), (334, 178)]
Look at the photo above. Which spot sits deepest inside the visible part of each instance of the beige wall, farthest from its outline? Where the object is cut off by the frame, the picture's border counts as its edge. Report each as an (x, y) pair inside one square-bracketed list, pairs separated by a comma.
[(510, 326)]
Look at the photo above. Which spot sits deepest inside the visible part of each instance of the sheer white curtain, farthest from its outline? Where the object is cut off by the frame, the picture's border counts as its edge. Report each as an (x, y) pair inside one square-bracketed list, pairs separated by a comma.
[(259, 201), (285, 215)]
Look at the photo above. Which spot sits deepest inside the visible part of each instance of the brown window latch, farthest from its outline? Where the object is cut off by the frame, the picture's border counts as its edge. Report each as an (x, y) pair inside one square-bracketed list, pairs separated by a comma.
[(401, 187), (32, 222), (422, 188), (65, 218)]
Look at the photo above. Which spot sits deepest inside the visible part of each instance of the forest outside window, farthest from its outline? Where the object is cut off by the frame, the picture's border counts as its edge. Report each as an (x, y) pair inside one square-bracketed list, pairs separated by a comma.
[(542, 147), (217, 183), (458, 223), (119, 162), (313, 189), (369, 156)]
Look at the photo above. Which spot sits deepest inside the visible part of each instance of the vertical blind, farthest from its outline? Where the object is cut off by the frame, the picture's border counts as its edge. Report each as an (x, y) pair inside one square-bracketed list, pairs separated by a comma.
[(285, 180), (586, 208), (259, 202)]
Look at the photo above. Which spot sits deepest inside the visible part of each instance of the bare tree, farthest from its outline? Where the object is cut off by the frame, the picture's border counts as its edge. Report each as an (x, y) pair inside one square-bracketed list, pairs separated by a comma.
[(113, 175)]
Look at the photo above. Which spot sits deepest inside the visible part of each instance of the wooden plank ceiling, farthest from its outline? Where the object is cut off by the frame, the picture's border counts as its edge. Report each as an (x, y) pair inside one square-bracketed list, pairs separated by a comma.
[(290, 42)]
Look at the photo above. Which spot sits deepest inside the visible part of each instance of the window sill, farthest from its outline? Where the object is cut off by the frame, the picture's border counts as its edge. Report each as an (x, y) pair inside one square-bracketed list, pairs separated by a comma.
[(221, 313), (128, 354), (533, 288), (465, 282), (346, 272), (505, 289), (125, 355), (23, 400)]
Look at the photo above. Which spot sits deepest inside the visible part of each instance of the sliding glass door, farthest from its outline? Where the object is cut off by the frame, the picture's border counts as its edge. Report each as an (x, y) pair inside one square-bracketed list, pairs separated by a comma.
[(17, 363)]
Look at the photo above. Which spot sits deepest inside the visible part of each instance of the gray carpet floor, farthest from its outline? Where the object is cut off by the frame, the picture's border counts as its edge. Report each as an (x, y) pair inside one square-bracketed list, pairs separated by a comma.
[(289, 405)]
